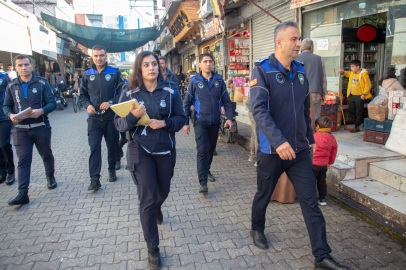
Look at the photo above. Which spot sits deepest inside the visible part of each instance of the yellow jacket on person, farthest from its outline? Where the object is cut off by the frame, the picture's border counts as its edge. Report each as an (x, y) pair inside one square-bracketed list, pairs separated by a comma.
[(364, 82)]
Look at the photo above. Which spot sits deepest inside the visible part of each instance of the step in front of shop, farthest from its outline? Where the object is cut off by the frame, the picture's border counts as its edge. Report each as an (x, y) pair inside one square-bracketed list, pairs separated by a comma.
[(383, 200), (390, 172)]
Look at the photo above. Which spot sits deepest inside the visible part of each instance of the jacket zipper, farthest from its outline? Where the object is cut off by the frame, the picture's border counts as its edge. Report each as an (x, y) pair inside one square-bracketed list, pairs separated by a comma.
[(101, 116), (294, 109), (153, 109)]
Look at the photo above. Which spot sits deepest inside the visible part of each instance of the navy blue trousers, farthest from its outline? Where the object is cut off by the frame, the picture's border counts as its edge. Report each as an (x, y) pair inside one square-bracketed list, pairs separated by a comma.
[(96, 129), (300, 173), (24, 140), (152, 174), (206, 141), (6, 151)]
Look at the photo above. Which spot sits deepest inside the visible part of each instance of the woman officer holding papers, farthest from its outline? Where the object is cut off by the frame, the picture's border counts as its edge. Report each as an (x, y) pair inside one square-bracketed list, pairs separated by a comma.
[(151, 153)]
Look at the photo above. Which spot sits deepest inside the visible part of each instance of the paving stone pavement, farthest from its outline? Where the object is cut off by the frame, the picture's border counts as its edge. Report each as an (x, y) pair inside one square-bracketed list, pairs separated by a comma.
[(72, 228)]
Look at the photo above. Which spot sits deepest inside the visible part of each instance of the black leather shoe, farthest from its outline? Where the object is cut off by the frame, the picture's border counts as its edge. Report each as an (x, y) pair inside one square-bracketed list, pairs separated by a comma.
[(21, 199), (159, 217), (329, 264), (259, 239), (51, 182), (210, 177), (94, 183), (3, 178), (112, 176), (10, 179), (154, 260), (203, 188), (118, 165)]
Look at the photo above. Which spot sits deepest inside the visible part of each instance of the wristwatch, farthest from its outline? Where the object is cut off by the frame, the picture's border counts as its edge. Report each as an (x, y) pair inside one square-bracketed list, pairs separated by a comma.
[(111, 102)]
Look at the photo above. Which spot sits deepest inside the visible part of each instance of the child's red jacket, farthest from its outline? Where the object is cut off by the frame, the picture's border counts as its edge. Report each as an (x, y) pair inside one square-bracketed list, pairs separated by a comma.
[(326, 148)]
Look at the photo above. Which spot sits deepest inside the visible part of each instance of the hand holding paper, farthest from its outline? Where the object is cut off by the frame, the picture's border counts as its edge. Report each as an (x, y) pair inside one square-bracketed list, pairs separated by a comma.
[(141, 111), (133, 107)]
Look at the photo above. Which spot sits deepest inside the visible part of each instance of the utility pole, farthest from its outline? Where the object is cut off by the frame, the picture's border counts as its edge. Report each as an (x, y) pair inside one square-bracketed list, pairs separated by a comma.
[(33, 6)]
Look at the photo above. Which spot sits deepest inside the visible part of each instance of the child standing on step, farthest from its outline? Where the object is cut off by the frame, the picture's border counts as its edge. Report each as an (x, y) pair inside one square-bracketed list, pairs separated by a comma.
[(324, 156)]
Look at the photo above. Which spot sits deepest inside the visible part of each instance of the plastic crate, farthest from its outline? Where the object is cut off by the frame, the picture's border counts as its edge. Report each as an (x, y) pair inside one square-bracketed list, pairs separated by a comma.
[(329, 108), (334, 127), (375, 136), (384, 126)]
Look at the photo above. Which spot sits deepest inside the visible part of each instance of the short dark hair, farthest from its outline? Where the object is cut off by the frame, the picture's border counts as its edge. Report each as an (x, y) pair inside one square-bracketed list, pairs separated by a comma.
[(99, 48), (162, 58), (9, 65), (205, 54), (324, 122), (355, 63), (21, 57), (282, 26)]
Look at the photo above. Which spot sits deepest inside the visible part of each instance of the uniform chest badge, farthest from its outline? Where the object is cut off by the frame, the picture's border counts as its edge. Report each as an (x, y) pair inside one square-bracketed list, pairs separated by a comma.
[(108, 77), (34, 90), (201, 85), (163, 103), (92, 77), (301, 78), (280, 78), (141, 102), (216, 84)]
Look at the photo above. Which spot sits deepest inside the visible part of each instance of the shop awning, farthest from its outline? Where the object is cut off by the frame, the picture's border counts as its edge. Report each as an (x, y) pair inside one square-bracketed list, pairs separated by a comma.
[(14, 31), (115, 40), (173, 7)]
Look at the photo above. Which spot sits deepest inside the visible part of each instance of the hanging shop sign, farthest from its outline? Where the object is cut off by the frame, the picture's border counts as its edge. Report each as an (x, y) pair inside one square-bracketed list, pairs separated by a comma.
[(62, 46), (210, 28), (14, 26), (301, 3), (183, 20), (43, 40)]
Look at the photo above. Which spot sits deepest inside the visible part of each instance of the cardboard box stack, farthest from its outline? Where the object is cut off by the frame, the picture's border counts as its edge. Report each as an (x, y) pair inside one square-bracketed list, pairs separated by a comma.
[(396, 101)]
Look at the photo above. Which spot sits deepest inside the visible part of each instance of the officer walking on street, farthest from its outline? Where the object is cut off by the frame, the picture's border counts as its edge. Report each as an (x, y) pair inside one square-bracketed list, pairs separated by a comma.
[(166, 73), (280, 99), (100, 88), (30, 91), (207, 92), (6, 151)]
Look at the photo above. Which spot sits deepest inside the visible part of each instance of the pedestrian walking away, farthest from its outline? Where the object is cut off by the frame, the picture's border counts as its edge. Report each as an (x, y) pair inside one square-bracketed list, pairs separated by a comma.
[(324, 156), (7, 167), (281, 102), (100, 88), (151, 151), (207, 93), (315, 73), (30, 91), (167, 75)]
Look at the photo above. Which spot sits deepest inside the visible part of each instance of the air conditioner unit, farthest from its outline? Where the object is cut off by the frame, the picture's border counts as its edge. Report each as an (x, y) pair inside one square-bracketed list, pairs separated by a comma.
[(205, 9)]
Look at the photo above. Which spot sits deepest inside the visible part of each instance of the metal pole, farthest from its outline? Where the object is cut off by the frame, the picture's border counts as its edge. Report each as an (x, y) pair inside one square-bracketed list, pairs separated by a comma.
[(264, 11), (33, 6)]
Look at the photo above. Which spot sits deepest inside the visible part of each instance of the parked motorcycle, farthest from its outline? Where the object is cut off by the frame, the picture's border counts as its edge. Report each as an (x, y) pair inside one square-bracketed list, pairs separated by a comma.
[(59, 96)]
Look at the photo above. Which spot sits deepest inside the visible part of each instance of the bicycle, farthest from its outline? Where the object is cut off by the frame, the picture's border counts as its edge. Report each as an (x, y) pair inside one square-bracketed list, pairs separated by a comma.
[(76, 102)]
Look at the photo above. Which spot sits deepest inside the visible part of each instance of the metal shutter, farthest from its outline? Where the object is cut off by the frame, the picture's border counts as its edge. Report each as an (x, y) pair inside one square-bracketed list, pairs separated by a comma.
[(6, 59), (263, 27)]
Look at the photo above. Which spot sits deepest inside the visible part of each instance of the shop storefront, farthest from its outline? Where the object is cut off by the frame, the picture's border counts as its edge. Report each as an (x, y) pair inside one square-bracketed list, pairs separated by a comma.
[(239, 68), (337, 32)]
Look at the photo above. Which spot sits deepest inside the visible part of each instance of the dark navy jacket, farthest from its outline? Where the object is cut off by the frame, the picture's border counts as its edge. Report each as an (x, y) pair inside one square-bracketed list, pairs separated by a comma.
[(206, 100), (98, 88), (282, 111), (171, 77), (39, 95), (4, 81), (164, 103)]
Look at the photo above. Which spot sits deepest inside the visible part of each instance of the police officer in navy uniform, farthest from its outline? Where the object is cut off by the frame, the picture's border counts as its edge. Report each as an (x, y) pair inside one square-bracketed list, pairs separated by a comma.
[(151, 152), (100, 88), (30, 91), (207, 92), (7, 167), (280, 99)]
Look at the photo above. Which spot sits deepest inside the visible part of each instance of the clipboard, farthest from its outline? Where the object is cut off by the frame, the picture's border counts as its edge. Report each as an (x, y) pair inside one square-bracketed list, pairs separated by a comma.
[(124, 108)]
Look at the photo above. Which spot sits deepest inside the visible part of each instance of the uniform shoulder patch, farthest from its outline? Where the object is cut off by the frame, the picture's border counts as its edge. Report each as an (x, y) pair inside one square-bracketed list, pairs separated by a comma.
[(253, 82), (170, 90), (261, 60), (41, 81)]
